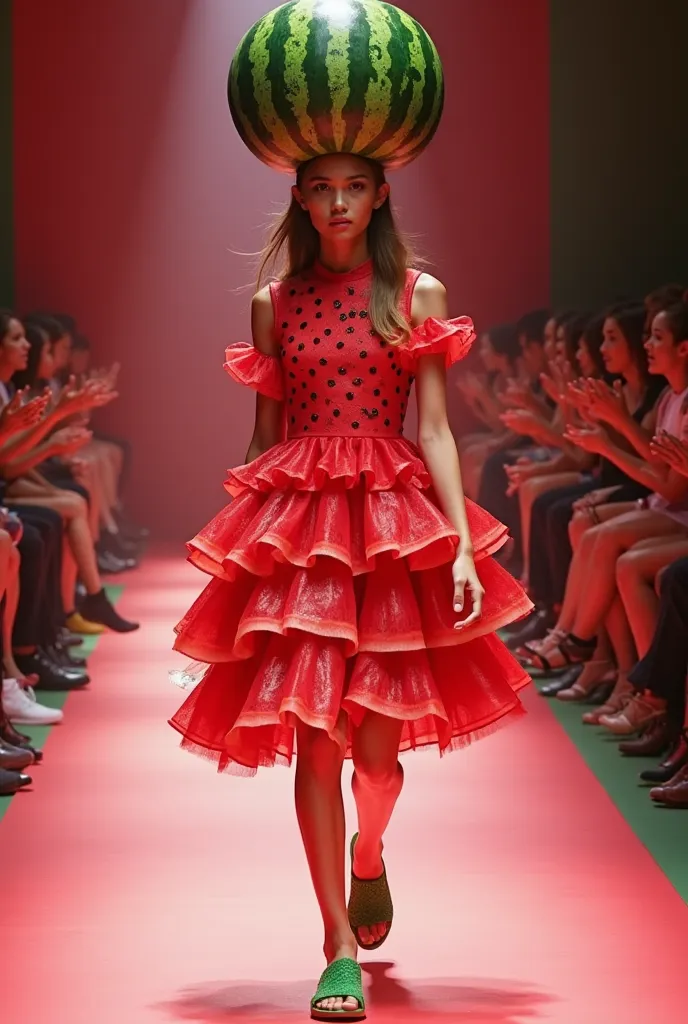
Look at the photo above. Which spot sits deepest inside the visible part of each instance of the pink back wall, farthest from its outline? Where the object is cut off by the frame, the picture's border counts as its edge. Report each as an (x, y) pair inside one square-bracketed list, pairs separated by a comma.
[(135, 199)]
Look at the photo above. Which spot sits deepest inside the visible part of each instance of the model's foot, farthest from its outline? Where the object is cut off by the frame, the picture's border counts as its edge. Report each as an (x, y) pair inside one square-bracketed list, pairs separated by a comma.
[(368, 865), (339, 950)]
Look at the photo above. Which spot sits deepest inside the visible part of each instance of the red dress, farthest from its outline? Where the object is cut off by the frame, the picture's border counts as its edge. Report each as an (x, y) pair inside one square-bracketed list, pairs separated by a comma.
[(332, 585)]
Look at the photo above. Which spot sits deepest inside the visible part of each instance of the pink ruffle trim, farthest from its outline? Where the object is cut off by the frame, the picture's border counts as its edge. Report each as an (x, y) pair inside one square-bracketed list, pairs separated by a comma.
[(246, 365)]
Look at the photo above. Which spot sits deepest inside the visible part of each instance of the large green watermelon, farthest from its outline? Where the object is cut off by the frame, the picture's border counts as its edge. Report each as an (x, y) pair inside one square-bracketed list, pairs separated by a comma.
[(332, 76)]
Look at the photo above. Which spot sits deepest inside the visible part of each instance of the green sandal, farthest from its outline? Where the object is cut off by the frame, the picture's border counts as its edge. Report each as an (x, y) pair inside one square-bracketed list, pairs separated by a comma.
[(370, 902), (340, 980)]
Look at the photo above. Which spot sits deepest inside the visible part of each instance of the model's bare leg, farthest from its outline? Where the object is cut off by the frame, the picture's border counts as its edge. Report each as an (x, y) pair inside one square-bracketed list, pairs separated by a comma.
[(320, 813), (377, 782)]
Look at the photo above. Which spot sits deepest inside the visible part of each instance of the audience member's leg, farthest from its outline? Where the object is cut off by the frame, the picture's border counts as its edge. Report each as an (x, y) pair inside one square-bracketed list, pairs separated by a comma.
[(493, 496), (610, 541), (636, 571), (528, 493), (663, 667), (33, 570)]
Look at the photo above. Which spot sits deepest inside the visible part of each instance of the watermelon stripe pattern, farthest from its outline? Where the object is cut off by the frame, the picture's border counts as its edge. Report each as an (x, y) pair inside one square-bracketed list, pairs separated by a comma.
[(336, 76)]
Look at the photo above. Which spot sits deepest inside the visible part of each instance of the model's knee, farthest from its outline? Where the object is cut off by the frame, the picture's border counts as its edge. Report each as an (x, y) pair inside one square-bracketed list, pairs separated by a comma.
[(375, 771), (319, 753)]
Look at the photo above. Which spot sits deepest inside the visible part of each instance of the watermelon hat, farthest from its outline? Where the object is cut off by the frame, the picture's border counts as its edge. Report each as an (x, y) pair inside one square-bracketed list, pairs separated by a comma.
[(336, 76)]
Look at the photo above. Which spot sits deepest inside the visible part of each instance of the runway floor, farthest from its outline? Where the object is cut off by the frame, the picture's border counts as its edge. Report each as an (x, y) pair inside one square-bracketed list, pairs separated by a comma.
[(140, 887)]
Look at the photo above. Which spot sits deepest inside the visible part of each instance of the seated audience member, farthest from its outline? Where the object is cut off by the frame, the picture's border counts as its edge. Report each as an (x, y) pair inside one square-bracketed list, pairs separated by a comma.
[(663, 515), (88, 470), (568, 466), (535, 425), (659, 682), (555, 580), (499, 353), (120, 540), (27, 487)]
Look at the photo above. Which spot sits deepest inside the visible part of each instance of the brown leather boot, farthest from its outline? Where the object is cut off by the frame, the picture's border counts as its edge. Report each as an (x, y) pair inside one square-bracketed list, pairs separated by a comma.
[(656, 738), (675, 792)]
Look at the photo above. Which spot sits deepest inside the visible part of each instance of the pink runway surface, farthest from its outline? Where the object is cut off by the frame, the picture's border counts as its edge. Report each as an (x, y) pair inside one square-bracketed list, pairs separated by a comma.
[(139, 887)]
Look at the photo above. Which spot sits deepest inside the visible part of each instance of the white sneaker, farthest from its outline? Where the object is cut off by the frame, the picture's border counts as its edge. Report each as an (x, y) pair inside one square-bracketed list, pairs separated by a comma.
[(21, 707)]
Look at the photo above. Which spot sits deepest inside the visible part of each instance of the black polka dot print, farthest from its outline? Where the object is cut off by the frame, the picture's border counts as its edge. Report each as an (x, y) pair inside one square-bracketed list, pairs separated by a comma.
[(349, 379)]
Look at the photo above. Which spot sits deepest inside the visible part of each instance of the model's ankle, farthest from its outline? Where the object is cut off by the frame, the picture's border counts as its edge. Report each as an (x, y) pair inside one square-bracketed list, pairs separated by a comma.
[(340, 942)]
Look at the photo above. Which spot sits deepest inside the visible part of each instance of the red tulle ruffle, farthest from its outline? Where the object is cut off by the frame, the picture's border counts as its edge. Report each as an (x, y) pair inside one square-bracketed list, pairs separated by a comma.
[(243, 714), (390, 609), (453, 338), (259, 530), (315, 463), (246, 365)]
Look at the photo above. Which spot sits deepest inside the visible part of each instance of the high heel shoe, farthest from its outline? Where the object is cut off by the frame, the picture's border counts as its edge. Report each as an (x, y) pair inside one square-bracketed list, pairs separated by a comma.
[(594, 674)]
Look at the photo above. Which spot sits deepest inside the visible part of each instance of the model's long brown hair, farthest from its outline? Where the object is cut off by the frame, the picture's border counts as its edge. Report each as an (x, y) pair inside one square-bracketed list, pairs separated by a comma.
[(294, 246)]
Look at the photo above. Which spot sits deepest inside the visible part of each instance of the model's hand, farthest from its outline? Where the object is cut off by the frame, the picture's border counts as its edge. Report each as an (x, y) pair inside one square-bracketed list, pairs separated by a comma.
[(466, 578), (671, 450)]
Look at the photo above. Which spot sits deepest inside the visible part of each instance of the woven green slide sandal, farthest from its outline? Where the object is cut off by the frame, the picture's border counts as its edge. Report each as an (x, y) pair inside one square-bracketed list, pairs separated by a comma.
[(370, 902), (340, 979)]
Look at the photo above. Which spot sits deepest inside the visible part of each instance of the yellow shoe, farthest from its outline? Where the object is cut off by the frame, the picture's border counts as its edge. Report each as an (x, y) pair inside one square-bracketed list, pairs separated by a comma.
[(76, 623)]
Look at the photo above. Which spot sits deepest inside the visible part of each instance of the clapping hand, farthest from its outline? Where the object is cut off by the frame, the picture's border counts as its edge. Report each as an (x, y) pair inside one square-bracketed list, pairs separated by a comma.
[(470, 385), (606, 403), (69, 440), (521, 471), (16, 416), (593, 439), (517, 395), (521, 421), (671, 450), (555, 383), (94, 394)]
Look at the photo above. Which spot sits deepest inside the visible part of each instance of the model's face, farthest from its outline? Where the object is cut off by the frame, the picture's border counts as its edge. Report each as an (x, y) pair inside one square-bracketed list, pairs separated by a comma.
[(560, 346), (586, 364), (61, 352), (663, 354), (14, 347), (615, 352), (340, 194)]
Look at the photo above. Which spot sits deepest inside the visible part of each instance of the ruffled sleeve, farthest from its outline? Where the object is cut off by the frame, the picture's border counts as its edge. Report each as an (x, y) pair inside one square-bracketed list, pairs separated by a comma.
[(453, 338), (246, 365)]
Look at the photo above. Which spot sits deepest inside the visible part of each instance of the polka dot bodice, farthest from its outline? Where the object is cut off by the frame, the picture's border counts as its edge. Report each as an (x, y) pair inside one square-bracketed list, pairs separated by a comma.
[(334, 375), (339, 376)]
